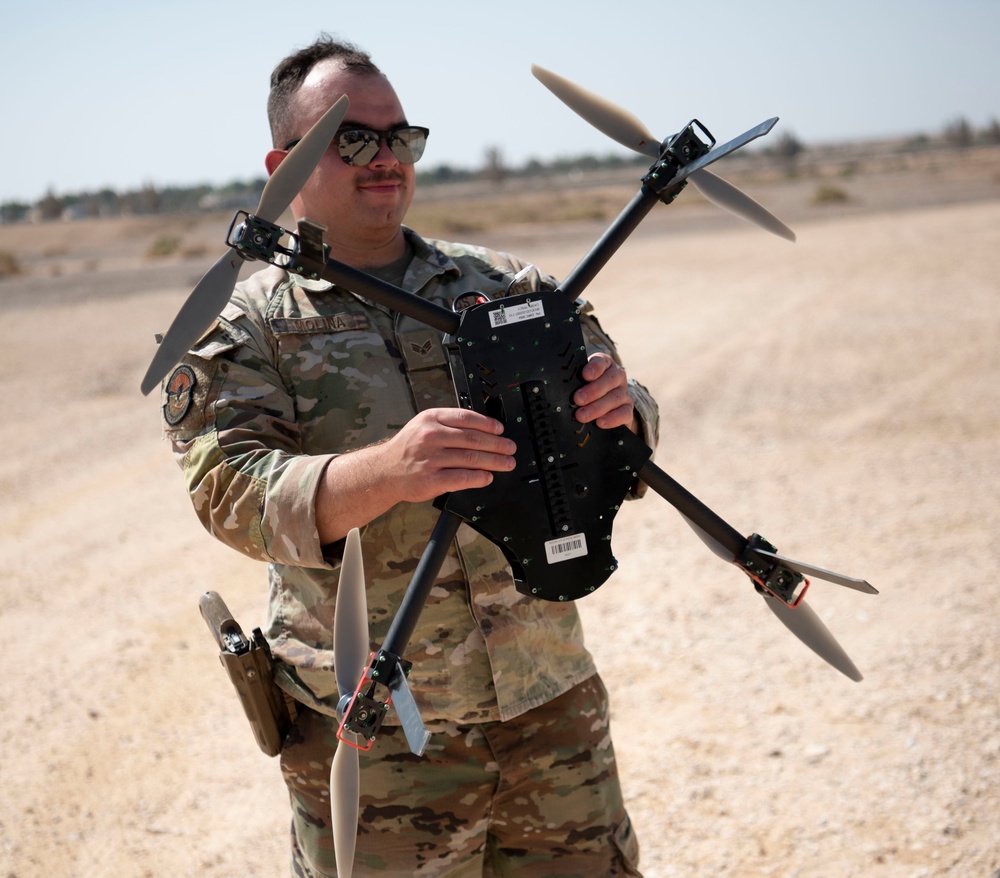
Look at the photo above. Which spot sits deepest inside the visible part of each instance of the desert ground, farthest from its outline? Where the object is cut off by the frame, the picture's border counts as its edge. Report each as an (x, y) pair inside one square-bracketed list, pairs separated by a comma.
[(839, 395)]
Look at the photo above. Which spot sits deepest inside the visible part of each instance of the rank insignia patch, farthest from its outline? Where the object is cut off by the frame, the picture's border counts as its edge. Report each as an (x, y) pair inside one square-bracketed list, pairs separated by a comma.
[(180, 391)]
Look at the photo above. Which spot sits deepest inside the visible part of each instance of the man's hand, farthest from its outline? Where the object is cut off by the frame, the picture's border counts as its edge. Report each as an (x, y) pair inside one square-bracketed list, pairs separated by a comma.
[(444, 450), (438, 451), (604, 399)]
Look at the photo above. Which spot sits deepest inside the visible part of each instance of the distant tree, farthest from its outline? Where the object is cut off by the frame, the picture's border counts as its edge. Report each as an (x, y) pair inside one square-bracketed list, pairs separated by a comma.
[(991, 133), (49, 207), (958, 133), (144, 201), (788, 147), (14, 211), (494, 169), (149, 199)]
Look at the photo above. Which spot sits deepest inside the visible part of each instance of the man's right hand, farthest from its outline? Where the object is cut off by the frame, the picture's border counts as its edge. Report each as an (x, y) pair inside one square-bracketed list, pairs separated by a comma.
[(447, 449), (438, 451)]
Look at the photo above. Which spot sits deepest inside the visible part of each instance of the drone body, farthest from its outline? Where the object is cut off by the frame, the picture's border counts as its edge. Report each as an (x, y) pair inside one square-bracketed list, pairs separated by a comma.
[(519, 360)]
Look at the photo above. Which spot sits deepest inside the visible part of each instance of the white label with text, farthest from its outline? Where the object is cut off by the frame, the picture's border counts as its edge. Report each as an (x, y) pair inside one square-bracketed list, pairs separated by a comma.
[(564, 548), (516, 314)]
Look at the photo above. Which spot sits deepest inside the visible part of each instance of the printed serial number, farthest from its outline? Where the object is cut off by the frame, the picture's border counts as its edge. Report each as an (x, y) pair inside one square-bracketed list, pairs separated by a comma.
[(504, 316)]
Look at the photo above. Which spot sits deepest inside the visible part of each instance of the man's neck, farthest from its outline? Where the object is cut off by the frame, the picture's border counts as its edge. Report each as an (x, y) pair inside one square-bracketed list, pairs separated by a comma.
[(376, 255)]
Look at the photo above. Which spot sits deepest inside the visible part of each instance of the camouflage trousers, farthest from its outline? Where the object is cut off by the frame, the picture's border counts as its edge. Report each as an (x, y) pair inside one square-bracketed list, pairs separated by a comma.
[(537, 797)]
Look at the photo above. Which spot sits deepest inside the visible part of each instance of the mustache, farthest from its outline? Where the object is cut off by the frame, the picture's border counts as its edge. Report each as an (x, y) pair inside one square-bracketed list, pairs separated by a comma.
[(388, 176)]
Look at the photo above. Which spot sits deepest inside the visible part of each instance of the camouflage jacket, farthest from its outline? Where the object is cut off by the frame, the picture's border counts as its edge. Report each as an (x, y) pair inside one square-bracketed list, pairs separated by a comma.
[(295, 372)]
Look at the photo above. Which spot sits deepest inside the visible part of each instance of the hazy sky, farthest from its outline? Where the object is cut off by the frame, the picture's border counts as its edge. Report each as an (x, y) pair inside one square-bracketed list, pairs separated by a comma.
[(122, 93)]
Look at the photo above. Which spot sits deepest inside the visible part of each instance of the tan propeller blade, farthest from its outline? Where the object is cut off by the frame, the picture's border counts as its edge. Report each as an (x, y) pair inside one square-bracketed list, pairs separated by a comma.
[(351, 652), (212, 292), (626, 129)]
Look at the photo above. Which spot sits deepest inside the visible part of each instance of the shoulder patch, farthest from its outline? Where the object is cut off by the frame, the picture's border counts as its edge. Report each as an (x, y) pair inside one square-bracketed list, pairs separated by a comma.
[(179, 392)]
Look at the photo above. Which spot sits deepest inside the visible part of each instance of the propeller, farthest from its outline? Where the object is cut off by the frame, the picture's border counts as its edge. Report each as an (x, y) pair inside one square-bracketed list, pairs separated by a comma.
[(212, 292), (800, 620), (624, 128), (809, 628), (351, 653)]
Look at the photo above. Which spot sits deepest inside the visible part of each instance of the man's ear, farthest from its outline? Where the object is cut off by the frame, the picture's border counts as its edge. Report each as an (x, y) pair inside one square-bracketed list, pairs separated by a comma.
[(273, 159)]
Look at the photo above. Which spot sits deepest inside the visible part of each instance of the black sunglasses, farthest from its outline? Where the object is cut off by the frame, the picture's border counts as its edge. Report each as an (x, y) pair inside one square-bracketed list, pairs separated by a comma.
[(358, 146)]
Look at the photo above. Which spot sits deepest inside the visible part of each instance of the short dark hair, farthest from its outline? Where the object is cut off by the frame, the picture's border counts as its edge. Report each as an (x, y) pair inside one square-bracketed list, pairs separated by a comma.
[(288, 76)]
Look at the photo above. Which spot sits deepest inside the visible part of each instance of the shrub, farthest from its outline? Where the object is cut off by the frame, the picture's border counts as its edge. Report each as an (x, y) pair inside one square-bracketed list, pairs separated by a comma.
[(162, 247), (8, 264), (827, 194)]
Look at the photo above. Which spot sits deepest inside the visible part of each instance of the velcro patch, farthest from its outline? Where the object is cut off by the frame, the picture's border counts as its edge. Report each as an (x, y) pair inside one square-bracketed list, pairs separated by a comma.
[(179, 391)]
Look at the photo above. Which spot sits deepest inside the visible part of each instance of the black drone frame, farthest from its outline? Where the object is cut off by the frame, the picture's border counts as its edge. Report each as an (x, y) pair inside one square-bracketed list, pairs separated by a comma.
[(518, 358)]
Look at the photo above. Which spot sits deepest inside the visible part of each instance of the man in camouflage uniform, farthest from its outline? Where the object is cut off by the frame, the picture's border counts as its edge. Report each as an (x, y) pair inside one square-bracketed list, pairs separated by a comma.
[(308, 410)]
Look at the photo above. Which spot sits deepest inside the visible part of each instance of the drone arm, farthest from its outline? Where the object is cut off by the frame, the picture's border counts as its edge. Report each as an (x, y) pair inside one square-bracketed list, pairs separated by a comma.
[(726, 536), (422, 582), (769, 575), (778, 575), (606, 247), (391, 296), (307, 255), (364, 713), (311, 259)]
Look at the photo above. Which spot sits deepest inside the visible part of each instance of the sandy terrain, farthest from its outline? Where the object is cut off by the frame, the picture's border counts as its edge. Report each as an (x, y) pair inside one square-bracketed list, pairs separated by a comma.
[(840, 396)]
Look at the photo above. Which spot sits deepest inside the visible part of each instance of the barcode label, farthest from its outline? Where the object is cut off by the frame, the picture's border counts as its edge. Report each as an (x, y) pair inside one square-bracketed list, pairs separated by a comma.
[(563, 549), (504, 316)]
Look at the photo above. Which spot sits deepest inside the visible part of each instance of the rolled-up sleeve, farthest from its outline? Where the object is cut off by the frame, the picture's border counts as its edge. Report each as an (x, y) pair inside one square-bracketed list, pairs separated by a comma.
[(238, 446)]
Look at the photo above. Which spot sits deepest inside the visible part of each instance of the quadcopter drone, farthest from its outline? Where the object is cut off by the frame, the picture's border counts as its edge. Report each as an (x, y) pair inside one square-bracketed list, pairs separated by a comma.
[(517, 359)]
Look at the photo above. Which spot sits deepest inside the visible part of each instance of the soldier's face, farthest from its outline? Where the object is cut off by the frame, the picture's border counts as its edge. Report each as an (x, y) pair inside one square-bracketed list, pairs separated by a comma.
[(361, 207)]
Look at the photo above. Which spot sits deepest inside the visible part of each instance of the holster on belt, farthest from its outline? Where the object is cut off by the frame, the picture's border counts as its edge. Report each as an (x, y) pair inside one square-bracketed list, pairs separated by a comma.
[(270, 711)]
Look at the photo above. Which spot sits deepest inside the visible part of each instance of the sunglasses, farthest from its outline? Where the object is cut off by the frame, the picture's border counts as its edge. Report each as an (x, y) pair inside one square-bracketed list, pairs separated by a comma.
[(358, 146)]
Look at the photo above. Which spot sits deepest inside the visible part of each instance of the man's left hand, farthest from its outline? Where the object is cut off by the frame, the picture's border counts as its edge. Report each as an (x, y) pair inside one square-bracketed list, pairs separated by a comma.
[(604, 399)]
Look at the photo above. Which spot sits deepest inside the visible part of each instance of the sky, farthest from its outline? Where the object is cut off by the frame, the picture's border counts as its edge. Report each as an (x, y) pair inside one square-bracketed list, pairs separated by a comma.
[(123, 94)]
